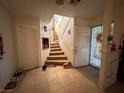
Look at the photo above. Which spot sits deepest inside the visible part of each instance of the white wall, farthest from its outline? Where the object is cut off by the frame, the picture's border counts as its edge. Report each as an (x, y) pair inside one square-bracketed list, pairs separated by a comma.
[(70, 42), (119, 21), (62, 26), (45, 52), (66, 39), (7, 64), (51, 25), (94, 21), (112, 62)]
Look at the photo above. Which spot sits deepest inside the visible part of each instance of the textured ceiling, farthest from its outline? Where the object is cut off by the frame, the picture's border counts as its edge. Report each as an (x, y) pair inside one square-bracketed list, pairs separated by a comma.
[(46, 8)]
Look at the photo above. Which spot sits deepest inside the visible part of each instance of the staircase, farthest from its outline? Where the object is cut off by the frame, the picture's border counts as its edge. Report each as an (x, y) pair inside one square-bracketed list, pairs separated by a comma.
[(56, 55)]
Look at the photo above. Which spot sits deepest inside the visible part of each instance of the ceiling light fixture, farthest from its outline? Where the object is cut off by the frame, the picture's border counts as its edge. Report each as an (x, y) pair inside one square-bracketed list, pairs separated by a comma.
[(67, 2)]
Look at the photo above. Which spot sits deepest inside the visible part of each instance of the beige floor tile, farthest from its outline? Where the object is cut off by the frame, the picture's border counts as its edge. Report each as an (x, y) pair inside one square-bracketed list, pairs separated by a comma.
[(59, 80), (55, 87), (61, 73), (54, 81), (66, 80), (41, 89), (52, 76), (86, 85), (10, 91), (50, 70), (96, 90), (26, 85), (62, 90), (26, 90), (54, 84), (74, 89), (40, 78)]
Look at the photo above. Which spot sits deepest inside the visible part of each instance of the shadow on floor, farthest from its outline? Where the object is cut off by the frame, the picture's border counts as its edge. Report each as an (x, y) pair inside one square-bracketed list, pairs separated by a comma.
[(90, 73), (116, 88)]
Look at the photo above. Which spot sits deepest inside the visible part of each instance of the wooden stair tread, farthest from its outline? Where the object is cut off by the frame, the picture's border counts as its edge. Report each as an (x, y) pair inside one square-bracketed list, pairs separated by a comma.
[(55, 49), (56, 52), (54, 43), (57, 61), (54, 46), (58, 56)]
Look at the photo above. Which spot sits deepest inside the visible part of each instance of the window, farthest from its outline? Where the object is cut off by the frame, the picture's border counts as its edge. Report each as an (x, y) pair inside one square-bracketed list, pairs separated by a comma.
[(96, 45)]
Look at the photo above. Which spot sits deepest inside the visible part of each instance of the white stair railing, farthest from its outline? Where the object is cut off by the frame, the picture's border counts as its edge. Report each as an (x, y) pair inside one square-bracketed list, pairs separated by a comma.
[(64, 29)]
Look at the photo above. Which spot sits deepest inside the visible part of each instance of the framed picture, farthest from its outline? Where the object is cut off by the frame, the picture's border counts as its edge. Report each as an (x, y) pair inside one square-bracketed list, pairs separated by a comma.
[(45, 43), (1, 47), (45, 28)]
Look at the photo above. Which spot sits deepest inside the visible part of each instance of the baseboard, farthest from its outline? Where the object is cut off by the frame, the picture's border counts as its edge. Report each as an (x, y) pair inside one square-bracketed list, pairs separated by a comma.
[(81, 66), (30, 69)]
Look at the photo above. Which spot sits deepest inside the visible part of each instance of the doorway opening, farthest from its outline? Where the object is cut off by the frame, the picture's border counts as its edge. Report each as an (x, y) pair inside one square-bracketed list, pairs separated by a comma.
[(96, 46)]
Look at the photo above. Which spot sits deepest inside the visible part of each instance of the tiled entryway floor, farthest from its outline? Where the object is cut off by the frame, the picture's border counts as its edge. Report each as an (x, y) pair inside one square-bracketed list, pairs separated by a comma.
[(55, 80), (90, 73)]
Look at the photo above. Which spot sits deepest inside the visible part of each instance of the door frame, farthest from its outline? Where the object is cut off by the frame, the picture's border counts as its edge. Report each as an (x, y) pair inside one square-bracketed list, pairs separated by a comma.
[(90, 45), (39, 62), (77, 28)]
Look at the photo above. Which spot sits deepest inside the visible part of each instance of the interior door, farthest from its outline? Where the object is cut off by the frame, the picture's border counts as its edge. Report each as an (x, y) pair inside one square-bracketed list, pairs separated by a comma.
[(27, 47), (81, 46)]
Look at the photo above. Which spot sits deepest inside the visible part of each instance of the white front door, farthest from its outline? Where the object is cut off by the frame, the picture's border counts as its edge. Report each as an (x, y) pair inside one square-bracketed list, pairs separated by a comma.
[(27, 47), (82, 38)]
